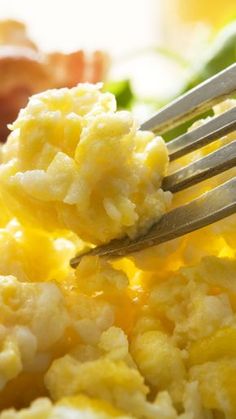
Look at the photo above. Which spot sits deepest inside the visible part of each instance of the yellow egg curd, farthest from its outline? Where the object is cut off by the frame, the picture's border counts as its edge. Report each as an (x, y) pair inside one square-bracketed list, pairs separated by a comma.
[(152, 336), (73, 162)]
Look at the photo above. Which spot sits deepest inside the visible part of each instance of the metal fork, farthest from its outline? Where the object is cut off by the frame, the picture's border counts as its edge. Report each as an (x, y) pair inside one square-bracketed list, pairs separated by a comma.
[(212, 206)]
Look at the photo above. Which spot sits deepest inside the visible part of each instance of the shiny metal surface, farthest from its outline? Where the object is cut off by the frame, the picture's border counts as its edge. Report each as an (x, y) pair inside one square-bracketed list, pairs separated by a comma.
[(214, 163), (194, 102), (210, 131)]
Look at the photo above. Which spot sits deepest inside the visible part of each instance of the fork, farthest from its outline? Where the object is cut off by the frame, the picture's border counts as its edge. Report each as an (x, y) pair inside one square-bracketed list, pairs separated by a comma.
[(211, 206)]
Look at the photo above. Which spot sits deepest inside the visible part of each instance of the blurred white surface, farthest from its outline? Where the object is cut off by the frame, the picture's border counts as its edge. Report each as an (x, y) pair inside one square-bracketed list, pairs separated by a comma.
[(114, 25)]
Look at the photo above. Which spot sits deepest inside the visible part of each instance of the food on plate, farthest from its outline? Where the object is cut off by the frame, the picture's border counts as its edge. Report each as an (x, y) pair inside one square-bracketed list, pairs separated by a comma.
[(152, 336), (25, 70)]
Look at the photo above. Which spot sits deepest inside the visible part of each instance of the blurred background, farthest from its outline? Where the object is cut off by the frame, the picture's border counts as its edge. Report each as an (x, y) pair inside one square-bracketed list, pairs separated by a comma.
[(146, 52)]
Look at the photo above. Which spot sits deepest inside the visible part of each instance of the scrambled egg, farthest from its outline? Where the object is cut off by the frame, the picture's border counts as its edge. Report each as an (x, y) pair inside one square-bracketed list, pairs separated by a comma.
[(152, 336), (73, 162), (68, 408)]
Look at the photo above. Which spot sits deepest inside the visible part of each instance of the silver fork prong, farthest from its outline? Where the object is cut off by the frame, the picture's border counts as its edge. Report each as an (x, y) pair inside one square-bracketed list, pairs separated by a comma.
[(210, 131), (214, 163), (207, 209), (194, 102)]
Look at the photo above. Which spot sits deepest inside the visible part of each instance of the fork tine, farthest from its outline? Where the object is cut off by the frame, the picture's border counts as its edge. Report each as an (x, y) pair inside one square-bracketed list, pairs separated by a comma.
[(194, 102), (207, 209), (212, 130), (214, 163)]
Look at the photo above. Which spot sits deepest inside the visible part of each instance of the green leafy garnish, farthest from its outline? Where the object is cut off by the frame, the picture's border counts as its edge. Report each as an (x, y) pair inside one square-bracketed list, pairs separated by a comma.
[(122, 91), (220, 55)]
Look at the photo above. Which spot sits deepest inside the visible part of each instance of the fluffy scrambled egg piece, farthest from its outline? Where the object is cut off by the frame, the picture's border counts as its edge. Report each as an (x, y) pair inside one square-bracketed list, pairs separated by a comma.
[(152, 336), (68, 408), (73, 162)]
